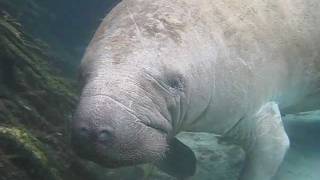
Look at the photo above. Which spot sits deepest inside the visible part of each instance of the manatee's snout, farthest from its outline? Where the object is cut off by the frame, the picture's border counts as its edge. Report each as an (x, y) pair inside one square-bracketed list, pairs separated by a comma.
[(85, 138), (87, 135), (105, 131)]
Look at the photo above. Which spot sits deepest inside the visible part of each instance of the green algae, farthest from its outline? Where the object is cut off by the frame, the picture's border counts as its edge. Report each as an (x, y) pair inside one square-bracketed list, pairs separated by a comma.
[(34, 101), (29, 61), (23, 146)]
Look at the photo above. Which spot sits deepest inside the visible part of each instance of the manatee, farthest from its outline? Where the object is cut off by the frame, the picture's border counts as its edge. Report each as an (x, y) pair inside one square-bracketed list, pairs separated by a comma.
[(155, 68)]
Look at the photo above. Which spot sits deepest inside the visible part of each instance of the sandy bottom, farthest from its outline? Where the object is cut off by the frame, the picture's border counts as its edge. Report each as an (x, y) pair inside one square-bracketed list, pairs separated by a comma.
[(302, 161)]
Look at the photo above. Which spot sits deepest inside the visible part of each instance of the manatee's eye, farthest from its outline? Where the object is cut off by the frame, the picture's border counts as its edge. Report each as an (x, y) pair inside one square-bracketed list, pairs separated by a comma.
[(169, 80), (176, 82)]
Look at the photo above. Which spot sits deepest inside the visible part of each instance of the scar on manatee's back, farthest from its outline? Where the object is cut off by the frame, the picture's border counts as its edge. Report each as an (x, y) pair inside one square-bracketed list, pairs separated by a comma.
[(162, 25), (119, 49), (166, 29)]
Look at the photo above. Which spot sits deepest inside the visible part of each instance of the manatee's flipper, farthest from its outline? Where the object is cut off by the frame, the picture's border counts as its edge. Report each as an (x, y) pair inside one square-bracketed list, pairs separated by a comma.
[(264, 140), (179, 160)]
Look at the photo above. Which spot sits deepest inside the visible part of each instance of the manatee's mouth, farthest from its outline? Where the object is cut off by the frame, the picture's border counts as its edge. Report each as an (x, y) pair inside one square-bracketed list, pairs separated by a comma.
[(162, 127), (110, 162), (156, 127), (100, 154), (93, 154)]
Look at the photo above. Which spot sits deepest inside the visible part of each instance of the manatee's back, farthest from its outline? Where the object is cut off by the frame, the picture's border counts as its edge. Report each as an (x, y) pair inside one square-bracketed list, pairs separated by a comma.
[(266, 51), (275, 43)]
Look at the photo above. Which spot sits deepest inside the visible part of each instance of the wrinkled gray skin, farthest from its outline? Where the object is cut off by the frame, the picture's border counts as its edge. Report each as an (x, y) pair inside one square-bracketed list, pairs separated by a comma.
[(157, 67)]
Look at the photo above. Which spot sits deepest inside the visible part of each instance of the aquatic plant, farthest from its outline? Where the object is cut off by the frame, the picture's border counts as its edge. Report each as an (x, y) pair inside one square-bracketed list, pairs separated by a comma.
[(35, 105), (25, 150)]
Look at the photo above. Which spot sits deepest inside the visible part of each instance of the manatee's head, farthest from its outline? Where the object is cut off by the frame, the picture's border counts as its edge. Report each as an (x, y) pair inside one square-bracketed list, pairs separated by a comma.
[(125, 117), (133, 99)]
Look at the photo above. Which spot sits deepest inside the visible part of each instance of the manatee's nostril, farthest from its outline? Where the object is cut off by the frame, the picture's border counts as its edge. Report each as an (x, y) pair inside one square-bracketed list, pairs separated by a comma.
[(105, 136), (84, 132), (80, 135), (81, 138)]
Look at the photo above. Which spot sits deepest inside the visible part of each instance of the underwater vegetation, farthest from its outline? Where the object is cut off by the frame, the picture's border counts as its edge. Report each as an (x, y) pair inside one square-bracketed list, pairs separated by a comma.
[(34, 104)]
